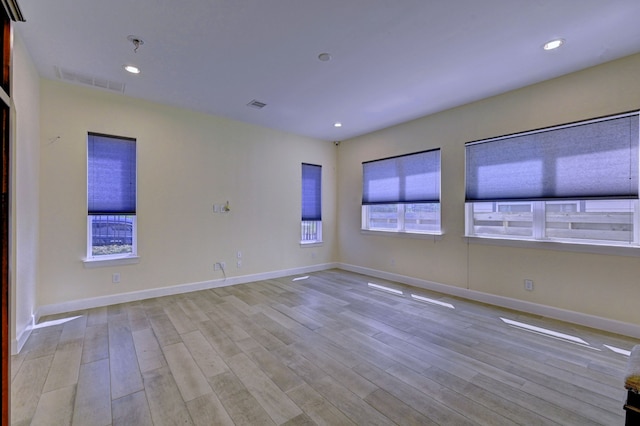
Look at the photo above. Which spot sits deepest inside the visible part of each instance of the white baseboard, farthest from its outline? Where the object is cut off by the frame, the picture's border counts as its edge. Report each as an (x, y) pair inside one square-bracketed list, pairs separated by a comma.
[(22, 336), (96, 302), (606, 324), (587, 320)]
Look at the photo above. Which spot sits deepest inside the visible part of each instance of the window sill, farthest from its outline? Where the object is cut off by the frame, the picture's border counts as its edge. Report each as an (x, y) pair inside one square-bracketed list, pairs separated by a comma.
[(631, 251), (434, 235), (311, 243), (112, 261)]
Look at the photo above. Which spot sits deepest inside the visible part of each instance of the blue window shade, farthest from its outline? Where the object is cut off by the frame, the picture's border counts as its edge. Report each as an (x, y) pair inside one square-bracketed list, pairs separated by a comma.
[(311, 192), (111, 175), (595, 159), (411, 178)]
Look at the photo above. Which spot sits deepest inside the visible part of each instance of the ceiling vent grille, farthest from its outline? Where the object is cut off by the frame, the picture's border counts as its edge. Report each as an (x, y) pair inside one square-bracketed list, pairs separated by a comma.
[(76, 77), (256, 104)]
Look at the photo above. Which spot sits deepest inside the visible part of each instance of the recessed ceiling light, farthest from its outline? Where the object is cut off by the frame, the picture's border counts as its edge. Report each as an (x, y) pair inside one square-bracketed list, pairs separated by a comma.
[(324, 57), (553, 44), (338, 124), (132, 69)]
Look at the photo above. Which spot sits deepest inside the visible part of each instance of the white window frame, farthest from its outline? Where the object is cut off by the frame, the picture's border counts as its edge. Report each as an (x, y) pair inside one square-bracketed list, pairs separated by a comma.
[(586, 231), (92, 260), (539, 226), (400, 219), (134, 242), (311, 237), (401, 181), (307, 237)]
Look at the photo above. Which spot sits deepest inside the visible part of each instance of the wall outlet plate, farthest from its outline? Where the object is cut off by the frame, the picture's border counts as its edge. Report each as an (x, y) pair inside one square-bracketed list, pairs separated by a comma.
[(528, 285)]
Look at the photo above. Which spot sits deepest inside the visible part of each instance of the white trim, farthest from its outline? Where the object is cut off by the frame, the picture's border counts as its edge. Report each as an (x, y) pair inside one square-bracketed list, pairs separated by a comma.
[(18, 343), (430, 235), (613, 326), (311, 243), (611, 250), (5, 98), (95, 302), (401, 225), (587, 320), (97, 262)]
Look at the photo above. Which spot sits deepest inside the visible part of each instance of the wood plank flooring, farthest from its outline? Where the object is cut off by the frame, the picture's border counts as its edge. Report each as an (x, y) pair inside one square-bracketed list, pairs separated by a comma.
[(327, 350)]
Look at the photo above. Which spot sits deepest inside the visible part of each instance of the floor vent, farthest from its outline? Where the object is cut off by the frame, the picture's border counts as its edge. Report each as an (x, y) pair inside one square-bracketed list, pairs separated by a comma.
[(256, 104), (77, 77)]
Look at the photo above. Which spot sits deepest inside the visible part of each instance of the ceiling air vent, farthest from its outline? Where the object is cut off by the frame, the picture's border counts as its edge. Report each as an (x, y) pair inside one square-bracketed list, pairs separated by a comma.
[(76, 77), (256, 104)]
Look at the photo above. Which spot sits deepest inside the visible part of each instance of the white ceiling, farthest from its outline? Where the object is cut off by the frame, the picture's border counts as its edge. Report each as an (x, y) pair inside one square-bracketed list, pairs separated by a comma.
[(392, 60)]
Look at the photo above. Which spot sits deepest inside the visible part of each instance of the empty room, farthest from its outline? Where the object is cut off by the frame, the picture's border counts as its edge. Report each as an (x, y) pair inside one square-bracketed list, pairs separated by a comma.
[(321, 212)]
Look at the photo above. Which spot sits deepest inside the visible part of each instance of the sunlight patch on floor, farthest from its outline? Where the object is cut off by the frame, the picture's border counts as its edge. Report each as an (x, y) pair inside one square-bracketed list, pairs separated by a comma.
[(432, 301), (549, 333), (618, 350), (55, 322), (383, 288), (301, 278)]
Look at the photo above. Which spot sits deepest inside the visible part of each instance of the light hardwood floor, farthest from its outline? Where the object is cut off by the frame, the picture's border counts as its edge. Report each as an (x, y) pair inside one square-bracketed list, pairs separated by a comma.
[(327, 350)]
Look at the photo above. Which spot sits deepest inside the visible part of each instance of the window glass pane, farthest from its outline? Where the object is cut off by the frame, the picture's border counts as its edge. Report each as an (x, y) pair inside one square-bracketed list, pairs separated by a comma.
[(311, 231), (422, 217), (111, 234), (590, 220), (382, 216), (502, 219), (580, 221)]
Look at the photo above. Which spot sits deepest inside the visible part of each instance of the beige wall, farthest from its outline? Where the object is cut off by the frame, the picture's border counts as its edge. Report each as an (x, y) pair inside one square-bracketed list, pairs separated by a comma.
[(186, 162), (24, 185), (603, 285)]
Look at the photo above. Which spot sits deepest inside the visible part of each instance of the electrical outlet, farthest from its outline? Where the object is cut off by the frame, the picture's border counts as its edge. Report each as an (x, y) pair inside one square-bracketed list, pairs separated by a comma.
[(216, 266), (239, 264), (528, 285), (115, 278), (239, 254)]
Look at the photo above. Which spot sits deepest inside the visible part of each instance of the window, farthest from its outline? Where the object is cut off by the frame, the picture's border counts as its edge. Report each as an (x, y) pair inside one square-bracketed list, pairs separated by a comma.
[(311, 226), (571, 183), (402, 194), (111, 195)]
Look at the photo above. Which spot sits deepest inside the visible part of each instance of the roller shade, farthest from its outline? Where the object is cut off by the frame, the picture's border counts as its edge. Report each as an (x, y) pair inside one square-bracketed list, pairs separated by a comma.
[(410, 178), (311, 192), (111, 175), (596, 159)]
